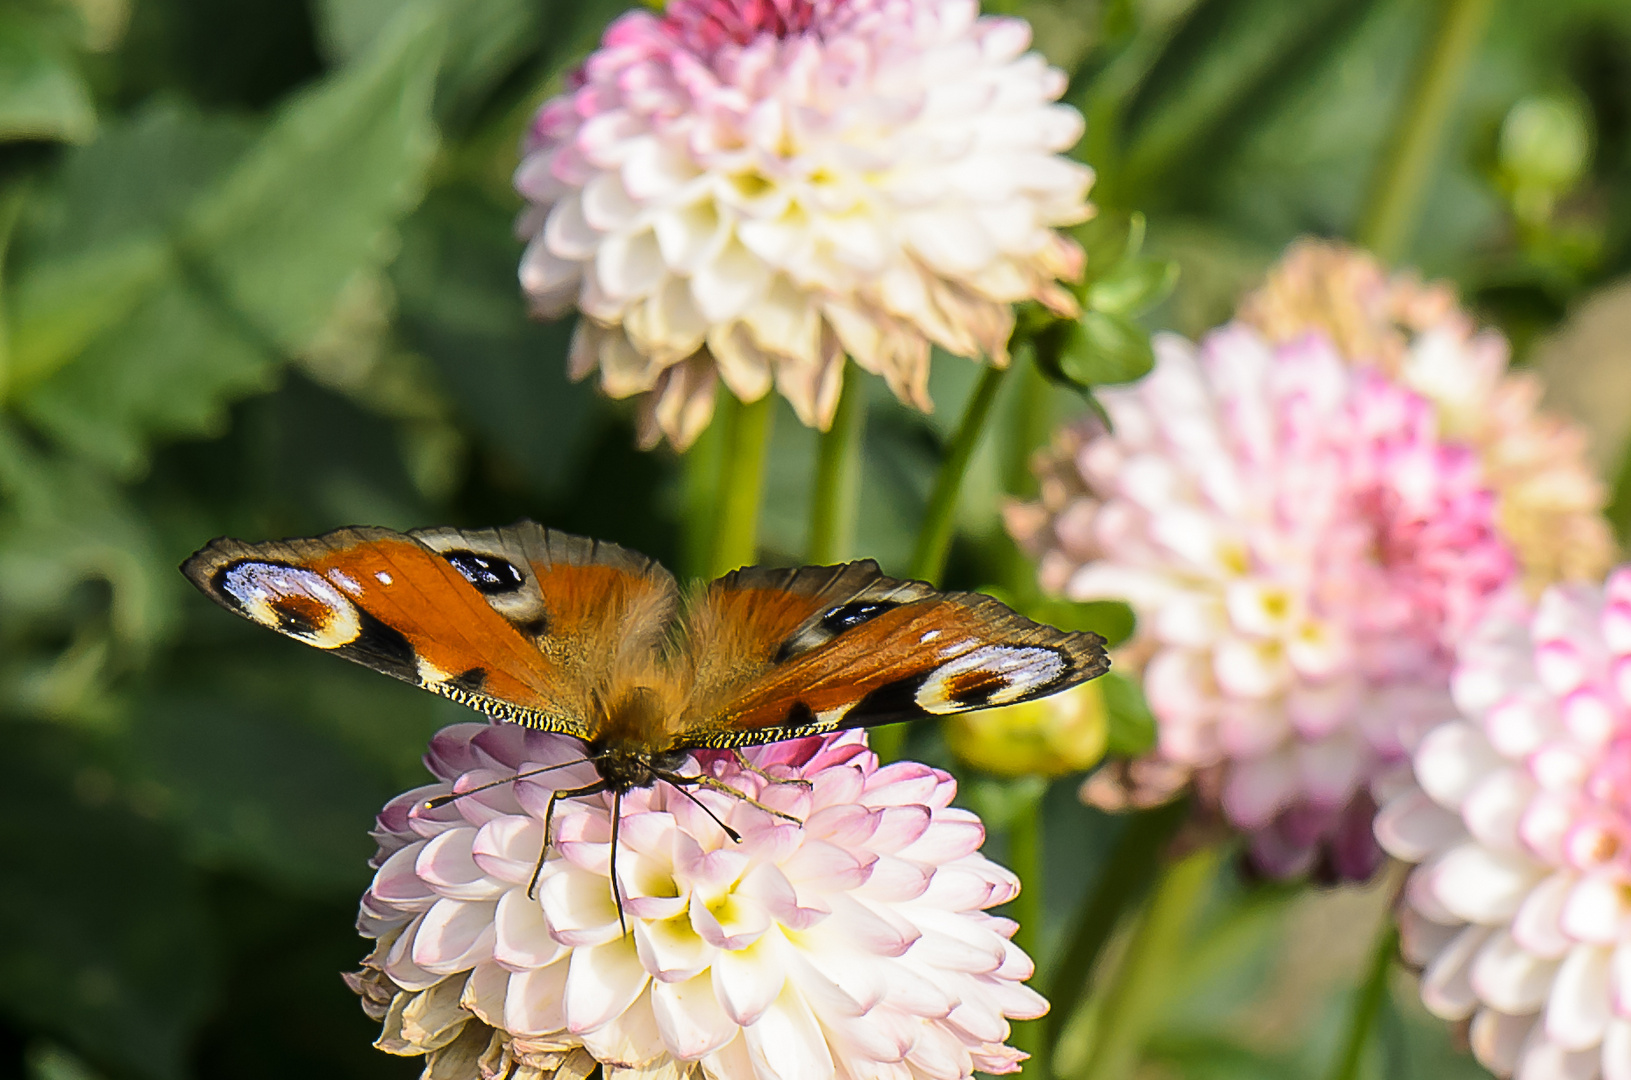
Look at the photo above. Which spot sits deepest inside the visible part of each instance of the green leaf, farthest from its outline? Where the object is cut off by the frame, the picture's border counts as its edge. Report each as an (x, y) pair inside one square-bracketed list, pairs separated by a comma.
[(42, 94), (1102, 348), (248, 788), (219, 259), (64, 523), (1132, 726), (1133, 287), (105, 941)]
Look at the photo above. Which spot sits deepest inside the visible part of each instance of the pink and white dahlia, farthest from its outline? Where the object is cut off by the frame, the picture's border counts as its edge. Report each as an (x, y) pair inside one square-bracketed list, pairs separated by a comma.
[(747, 190), (1300, 547), (854, 946), (1520, 818), (1548, 500)]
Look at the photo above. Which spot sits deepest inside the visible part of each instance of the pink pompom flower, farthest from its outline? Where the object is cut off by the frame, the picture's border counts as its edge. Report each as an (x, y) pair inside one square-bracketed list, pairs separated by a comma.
[(1300, 547), (854, 946), (747, 190), (1519, 816)]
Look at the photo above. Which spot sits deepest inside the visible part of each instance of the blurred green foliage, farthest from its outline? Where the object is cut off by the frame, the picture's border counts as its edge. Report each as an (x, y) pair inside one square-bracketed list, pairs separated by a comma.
[(257, 277)]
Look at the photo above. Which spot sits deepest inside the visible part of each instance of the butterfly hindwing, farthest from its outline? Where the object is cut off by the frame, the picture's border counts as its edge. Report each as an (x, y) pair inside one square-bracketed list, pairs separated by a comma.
[(869, 650)]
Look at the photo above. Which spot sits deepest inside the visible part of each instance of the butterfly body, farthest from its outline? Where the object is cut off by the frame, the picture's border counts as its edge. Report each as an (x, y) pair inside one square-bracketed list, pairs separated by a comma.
[(587, 639)]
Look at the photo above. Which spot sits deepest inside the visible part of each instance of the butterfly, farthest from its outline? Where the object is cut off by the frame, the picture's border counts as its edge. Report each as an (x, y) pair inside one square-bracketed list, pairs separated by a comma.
[(588, 639)]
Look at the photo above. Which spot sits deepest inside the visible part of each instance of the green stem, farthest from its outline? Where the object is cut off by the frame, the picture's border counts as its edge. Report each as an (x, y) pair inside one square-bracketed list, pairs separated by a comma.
[(1131, 1004), (838, 476), (1126, 874), (741, 485), (1400, 184), (934, 539), (11, 209), (1026, 860), (1367, 1004)]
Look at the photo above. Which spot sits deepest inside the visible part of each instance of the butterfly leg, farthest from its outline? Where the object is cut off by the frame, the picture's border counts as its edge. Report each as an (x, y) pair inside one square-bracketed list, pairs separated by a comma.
[(549, 820), (748, 766), (617, 892), (719, 785)]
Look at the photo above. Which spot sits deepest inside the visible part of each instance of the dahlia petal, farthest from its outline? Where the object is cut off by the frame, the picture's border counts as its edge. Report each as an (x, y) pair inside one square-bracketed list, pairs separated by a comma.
[(630, 1040), (787, 1043), (748, 979), (1538, 925), (1413, 827), (1545, 1060), (453, 935), (1498, 1038), (1494, 807), (507, 848), (534, 1003), (1483, 886), (1617, 1050), (446, 864), (692, 1022), (1446, 985), (580, 907), (1578, 1011), (1451, 761), (601, 982), (521, 933), (1509, 978)]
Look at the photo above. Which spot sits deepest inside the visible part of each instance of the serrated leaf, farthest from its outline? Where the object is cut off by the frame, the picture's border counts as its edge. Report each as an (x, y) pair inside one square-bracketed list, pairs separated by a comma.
[(1101, 348), (195, 295), (42, 93)]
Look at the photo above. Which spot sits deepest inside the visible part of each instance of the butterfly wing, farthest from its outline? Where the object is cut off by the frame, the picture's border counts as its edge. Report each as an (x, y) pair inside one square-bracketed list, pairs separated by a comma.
[(781, 653), (498, 619)]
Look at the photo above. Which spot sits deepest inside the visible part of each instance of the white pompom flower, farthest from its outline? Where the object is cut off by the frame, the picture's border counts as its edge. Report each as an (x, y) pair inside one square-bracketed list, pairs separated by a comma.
[(856, 946), (1519, 912), (747, 190)]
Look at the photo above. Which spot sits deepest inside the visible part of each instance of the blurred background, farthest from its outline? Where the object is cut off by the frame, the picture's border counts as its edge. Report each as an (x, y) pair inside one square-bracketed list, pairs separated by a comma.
[(257, 277)]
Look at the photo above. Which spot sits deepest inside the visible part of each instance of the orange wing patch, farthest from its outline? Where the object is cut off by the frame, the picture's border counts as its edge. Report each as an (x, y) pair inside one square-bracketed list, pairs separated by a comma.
[(387, 601)]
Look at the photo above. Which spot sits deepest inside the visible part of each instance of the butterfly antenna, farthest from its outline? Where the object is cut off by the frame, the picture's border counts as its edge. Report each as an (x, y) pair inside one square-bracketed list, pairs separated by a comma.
[(442, 800), (617, 893), (676, 782)]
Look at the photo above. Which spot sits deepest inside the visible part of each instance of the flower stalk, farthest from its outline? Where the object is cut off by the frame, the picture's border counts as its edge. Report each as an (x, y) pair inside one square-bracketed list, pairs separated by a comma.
[(1400, 185), (934, 538), (1129, 1006), (1367, 1004), (741, 488), (838, 477)]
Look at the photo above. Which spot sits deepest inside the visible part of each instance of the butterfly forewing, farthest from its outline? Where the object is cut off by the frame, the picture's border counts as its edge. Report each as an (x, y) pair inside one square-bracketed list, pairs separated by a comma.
[(870, 650)]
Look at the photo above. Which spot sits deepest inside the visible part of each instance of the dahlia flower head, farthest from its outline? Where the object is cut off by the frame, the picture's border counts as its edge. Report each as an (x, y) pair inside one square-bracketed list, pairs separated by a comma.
[(1300, 548), (1519, 816), (1548, 498), (854, 946), (746, 190)]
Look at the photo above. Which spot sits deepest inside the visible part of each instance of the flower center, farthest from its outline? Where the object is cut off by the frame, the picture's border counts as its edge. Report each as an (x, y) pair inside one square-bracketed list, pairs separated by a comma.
[(708, 25)]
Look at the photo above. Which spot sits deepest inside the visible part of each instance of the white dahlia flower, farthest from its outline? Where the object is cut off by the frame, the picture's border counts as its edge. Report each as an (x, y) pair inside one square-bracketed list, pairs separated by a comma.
[(747, 190), (853, 947), (1300, 548), (1520, 818)]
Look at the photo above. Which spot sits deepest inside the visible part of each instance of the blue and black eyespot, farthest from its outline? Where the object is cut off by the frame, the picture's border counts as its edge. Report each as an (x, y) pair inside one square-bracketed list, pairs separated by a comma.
[(488, 573), (853, 614)]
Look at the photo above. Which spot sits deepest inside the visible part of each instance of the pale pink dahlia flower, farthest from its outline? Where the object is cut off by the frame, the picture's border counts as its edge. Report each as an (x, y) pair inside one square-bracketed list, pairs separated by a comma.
[(1520, 816), (1300, 548), (1548, 499), (746, 190), (854, 947)]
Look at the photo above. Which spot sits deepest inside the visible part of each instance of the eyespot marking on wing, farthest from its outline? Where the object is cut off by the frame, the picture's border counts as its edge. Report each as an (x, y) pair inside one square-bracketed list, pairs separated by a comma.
[(488, 573), (847, 616), (300, 603), (534, 628), (991, 675), (831, 624)]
